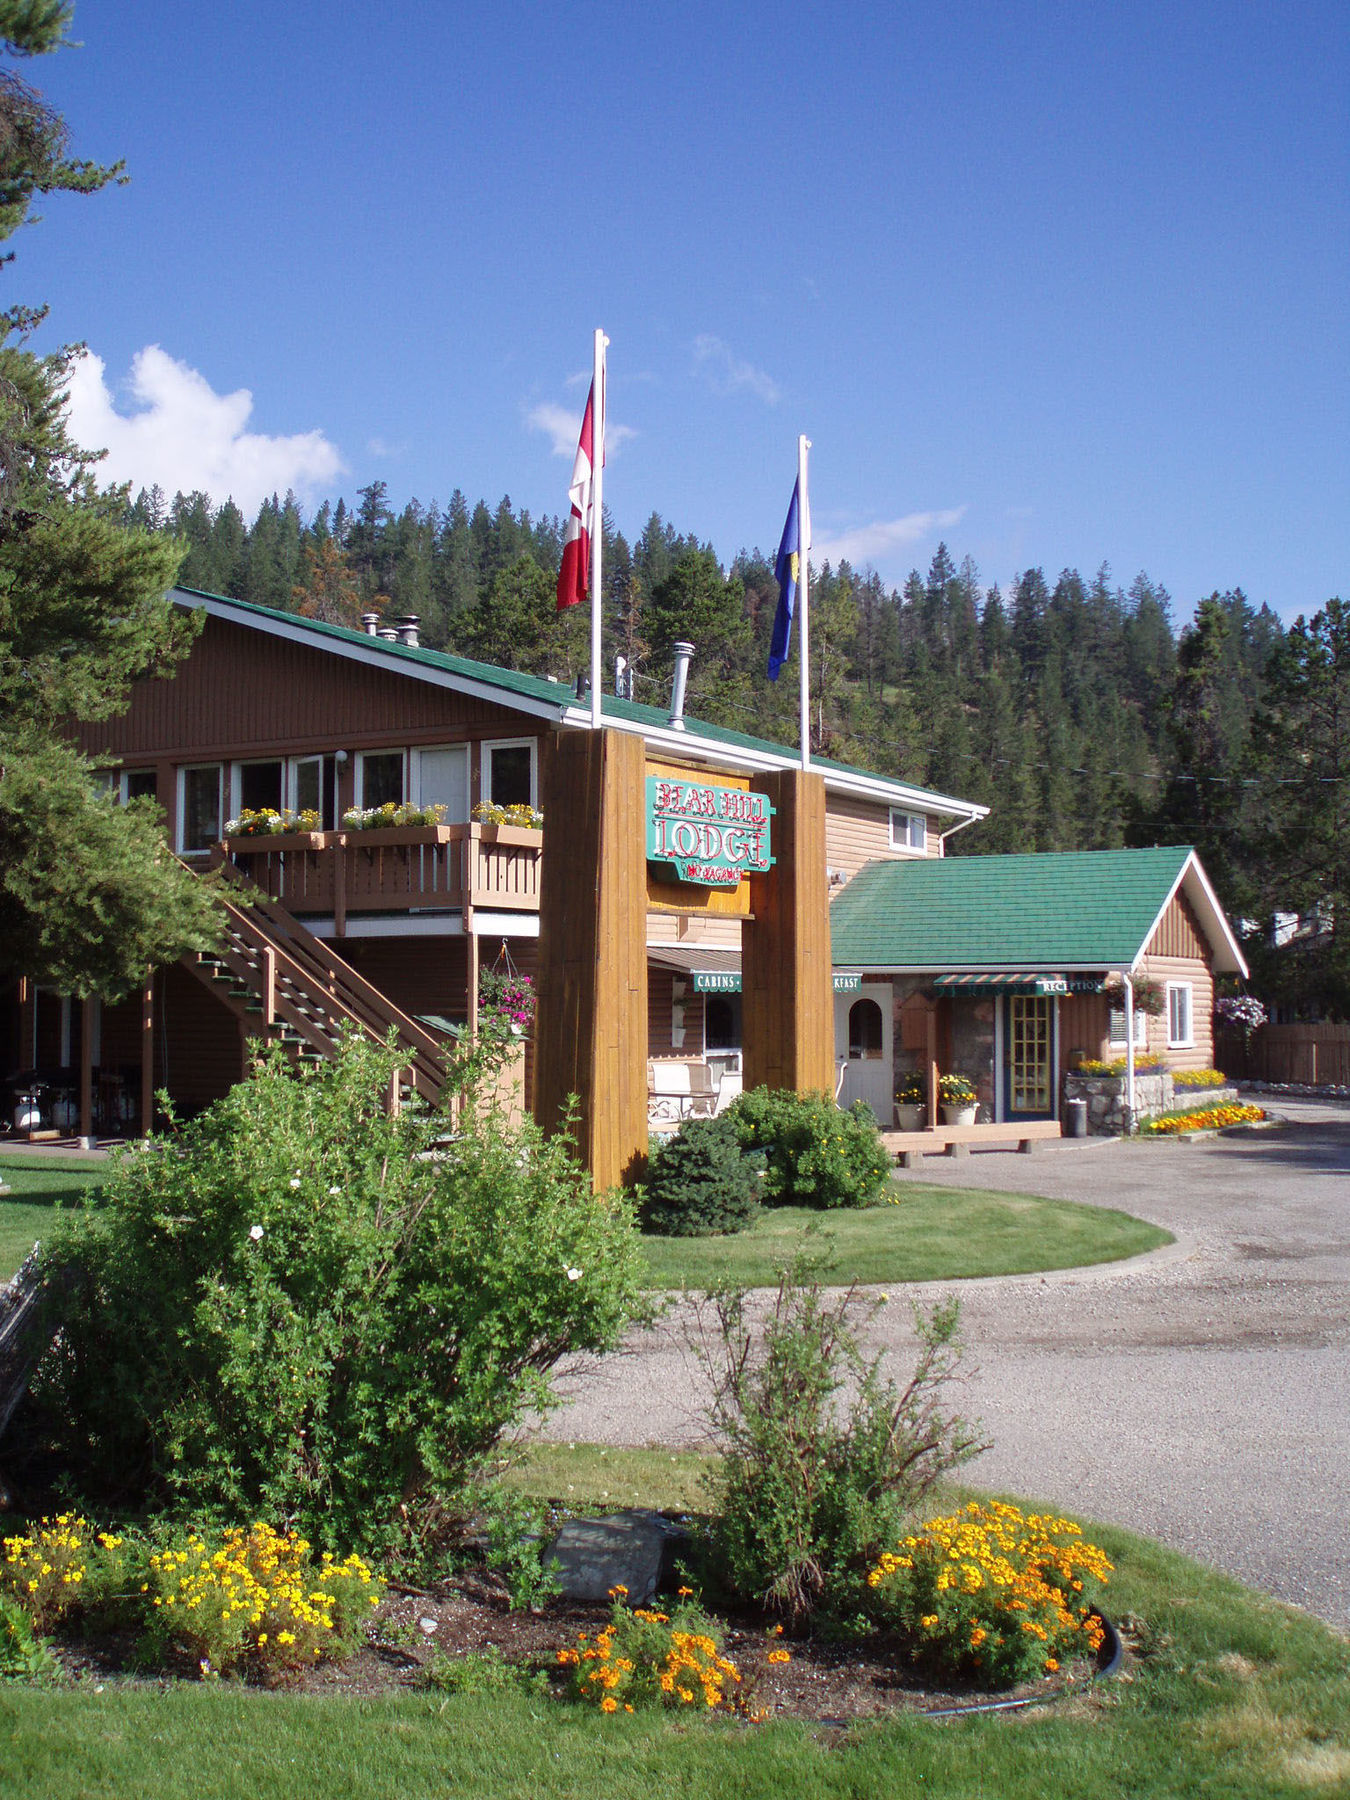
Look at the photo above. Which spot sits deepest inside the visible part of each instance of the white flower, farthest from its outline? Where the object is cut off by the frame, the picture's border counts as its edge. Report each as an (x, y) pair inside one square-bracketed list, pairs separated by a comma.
[(574, 1274), (333, 1192), (295, 1181), (255, 1232)]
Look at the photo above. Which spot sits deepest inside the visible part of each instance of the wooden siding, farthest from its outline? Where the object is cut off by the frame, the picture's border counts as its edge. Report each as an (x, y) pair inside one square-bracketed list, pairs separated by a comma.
[(1163, 969), (1178, 933), (710, 933), (242, 692), (198, 1043), (859, 831)]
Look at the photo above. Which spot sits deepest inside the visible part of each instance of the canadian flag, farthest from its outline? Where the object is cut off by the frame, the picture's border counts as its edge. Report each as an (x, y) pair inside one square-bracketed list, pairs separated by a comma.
[(575, 573)]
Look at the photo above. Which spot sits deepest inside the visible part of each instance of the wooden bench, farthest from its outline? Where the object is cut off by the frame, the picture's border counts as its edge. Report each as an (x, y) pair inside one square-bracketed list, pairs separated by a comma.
[(956, 1140), (680, 1089)]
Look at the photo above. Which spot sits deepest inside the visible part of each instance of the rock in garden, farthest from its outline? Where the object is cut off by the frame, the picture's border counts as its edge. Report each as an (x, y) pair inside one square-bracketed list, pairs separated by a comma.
[(627, 1549)]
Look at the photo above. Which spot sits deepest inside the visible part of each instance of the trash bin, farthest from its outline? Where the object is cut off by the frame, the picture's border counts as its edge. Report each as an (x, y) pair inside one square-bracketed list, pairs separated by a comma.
[(1075, 1122)]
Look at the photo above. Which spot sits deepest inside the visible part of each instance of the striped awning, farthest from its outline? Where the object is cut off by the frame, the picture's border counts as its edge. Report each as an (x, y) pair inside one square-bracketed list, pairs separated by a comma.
[(1023, 981)]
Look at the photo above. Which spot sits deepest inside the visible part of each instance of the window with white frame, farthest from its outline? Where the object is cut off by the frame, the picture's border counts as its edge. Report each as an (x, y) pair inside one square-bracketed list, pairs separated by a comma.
[(909, 831), (510, 775), (379, 778), (1180, 1035), (1116, 1028), (441, 778), (256, 787), (199, 796)]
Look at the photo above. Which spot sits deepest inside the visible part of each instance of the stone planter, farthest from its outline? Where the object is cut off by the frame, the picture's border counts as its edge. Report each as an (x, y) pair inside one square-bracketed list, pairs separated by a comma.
[(908, 1116), (959, 1115)]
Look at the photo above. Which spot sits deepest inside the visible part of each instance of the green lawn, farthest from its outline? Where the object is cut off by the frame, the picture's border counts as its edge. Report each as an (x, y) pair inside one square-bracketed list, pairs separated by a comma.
[(928, 1234), (1230, 1697), (37, 1190)]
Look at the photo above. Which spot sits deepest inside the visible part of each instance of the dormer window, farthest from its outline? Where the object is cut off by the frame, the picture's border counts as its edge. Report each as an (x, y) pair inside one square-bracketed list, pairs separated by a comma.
[(909, 832)]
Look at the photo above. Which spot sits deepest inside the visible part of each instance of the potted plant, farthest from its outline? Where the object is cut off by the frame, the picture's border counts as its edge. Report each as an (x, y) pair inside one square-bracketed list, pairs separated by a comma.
[(959, 1100), (910, 1100)]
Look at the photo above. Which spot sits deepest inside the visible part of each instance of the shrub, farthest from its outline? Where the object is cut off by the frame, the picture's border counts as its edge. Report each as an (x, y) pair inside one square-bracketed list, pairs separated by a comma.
[(817, 1154), (823, 1457), (992, 1593), (257, 1593), (58, 1568), (701, 1182), (23, 1655), (646, 1658), (302, 1307), (481, 1672)]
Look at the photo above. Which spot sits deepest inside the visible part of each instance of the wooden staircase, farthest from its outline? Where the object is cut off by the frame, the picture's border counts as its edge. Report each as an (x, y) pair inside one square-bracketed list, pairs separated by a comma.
[(289, 987)]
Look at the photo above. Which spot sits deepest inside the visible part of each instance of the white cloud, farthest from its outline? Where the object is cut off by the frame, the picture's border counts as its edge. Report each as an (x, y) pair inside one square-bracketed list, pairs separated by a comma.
[(185, 436), (880, 540), (379, 446), (726, 373), (565, 428)]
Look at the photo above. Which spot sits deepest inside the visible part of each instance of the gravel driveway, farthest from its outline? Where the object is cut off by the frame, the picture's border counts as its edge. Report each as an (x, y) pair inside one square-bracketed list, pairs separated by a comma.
[(1200, 1394)]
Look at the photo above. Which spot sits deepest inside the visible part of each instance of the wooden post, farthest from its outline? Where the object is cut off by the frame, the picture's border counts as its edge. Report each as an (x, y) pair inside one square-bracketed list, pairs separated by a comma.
[(269, 985), (591, 1028), (788, 998), (340, 887), (471, 995), (932, 1071), (87, 1073), (148, 1054)]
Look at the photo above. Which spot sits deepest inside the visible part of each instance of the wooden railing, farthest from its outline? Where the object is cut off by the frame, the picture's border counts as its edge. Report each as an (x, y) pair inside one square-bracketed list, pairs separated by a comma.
[(436, 868)]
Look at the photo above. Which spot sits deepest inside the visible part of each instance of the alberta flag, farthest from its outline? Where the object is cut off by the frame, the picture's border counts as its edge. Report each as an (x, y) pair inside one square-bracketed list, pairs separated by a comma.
[(787, 571), (574, 575)]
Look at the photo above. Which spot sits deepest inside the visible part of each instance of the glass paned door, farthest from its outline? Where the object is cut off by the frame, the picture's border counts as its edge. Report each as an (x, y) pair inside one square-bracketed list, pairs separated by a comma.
[(1030, 1054)]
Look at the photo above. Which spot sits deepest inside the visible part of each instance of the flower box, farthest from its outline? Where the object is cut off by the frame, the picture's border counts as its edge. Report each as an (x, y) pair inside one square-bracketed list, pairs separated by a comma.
[(909, 1115), (398, 837), (527, 837), (253, 843)]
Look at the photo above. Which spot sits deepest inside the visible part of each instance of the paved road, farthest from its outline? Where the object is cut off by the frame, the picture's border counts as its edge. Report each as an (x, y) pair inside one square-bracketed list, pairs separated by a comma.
[(1200, 1395)]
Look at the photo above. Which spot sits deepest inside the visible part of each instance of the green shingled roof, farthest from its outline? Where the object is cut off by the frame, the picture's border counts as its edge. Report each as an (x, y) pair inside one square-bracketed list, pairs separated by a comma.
[(1089, 909), (555, 693)]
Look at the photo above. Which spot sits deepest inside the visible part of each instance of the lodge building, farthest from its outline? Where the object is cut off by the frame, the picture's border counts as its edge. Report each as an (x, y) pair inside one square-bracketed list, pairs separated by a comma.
[(395, 925)]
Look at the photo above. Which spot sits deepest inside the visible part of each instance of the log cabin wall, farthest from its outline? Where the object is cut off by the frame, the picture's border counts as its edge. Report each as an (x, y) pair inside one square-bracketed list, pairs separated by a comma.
[(1179, 952), (859, 832)]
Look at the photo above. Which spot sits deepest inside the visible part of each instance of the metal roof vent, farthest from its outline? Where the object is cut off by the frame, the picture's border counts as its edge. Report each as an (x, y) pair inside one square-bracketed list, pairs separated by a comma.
[(407, 629), (371, 624), (388, 633), (683, 652)]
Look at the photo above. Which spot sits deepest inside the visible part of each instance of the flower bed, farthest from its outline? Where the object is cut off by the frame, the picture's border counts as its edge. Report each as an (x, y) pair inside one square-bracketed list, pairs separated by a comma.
[(1209, 1118)]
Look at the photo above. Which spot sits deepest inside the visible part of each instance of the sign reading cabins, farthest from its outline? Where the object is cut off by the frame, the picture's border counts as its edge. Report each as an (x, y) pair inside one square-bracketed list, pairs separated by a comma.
[(709, 835)]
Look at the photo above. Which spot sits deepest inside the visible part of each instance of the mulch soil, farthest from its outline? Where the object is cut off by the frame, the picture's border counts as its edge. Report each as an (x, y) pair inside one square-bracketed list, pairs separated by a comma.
[(826, 1683)]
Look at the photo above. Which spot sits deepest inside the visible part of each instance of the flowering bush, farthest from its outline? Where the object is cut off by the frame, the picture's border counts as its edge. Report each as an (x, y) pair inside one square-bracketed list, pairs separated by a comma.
[(257, 1593), (817, 1155), (956, 1090), (1241, 1010), (487, 812), (302, 1306), (1208, 1118), (52, 1568), (993, 1593), (390, 817), (266, 821), (649, 1658), (1199, 1078)]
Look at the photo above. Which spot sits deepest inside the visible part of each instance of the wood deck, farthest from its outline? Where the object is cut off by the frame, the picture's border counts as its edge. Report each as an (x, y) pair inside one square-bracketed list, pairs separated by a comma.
[(907, 1147)]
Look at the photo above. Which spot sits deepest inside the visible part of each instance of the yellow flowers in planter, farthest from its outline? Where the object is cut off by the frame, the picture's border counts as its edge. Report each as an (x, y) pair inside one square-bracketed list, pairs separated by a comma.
[(1206, 1118), (649, 1658), (993, 1592), (258, 1592)]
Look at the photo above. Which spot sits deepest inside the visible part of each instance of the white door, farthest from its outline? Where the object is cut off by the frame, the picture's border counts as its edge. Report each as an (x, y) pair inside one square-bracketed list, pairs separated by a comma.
[(863, 1031)]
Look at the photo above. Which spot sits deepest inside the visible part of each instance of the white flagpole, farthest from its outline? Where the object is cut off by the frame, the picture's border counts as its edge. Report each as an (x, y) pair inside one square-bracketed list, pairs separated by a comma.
[(597, 518), (803, 595)]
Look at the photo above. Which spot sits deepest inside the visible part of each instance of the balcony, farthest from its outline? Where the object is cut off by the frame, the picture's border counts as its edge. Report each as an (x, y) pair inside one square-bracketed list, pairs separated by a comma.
[(406, 869)]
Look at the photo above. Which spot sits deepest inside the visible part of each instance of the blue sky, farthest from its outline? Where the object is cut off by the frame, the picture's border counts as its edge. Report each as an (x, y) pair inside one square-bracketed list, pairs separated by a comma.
[(1058, 284)]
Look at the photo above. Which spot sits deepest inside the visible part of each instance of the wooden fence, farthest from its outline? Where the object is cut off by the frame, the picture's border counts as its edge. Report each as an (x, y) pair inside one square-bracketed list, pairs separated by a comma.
[(1311, 1055)]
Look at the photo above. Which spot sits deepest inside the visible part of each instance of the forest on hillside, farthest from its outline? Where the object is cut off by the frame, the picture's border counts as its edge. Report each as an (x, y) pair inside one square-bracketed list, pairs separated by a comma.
[(1071, 706)]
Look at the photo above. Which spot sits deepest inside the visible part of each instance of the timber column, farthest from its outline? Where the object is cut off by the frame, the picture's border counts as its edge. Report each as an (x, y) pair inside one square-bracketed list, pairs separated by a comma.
[(591, 1025), (787, 1004)]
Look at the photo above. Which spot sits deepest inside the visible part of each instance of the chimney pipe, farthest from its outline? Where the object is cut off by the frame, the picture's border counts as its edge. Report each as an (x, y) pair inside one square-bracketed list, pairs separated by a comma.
[(407, 629), (583, 687), (388, 632), (371, 622), (683, 652)]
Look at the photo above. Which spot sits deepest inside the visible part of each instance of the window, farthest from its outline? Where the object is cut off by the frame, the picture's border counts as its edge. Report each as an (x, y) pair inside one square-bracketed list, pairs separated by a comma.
[(199, 819), (380, 775), (864, 1031), (909, 831), (314, 788), (1179, 1035), (509, 774), (258, 786), (443, 780), (1117, 1028), (139, 784), (722, 1022)]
